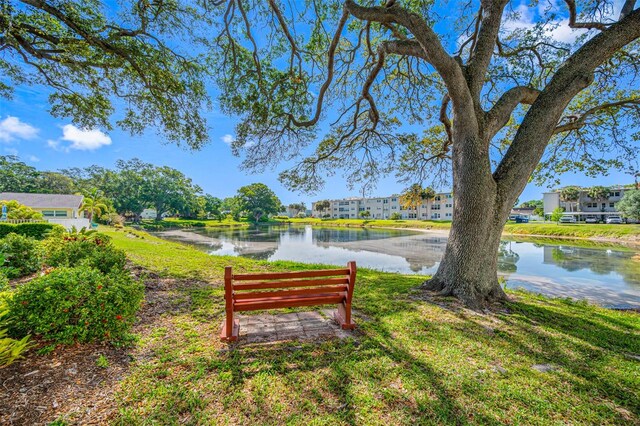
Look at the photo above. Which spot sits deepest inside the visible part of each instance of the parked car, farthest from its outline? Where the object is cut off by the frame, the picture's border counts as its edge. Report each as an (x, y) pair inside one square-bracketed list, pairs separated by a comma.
[(567, 218), (591, 219), (614, 219)]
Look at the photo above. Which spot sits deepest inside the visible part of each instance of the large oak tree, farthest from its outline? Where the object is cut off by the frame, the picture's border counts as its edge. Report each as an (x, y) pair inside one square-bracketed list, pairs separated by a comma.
[(433, 89)]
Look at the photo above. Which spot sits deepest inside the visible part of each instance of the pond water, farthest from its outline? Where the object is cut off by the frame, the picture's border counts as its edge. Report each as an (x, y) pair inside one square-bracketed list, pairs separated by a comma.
[(608, 275)]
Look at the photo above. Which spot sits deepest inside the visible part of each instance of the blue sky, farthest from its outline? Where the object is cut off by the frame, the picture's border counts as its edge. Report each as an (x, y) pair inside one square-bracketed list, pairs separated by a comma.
[(29, 131)]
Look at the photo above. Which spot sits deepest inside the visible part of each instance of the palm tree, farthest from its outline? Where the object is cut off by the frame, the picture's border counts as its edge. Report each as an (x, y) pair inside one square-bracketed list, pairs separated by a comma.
[(570, 194), (94, 204), (415, 195), (598, 193)]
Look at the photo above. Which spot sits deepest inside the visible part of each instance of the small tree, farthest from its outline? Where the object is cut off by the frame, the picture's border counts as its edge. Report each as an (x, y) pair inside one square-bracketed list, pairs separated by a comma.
[(257, 200), (570, 194), (95, 204), (629, 206), (365, 214), (15, 210), (321, 206), (557, 214), (415, 195), (297, 208), (395, 216), (598, 193)]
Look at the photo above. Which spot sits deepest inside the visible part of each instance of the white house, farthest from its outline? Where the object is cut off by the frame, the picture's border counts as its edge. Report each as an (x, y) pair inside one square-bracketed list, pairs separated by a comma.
[(63, 209)]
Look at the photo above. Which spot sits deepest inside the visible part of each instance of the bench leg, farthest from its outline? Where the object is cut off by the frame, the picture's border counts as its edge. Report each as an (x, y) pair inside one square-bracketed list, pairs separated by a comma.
[(343, 316), (230, 329)]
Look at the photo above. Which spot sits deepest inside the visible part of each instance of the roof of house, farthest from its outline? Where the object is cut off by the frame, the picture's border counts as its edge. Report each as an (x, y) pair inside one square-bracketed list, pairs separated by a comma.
[(63, 201)]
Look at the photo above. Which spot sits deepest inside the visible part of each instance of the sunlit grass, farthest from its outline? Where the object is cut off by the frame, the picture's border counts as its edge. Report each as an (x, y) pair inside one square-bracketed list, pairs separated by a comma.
[(411, 361)]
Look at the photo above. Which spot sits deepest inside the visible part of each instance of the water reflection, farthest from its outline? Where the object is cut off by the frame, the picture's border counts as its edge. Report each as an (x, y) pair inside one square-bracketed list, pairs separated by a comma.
[(605, 275)]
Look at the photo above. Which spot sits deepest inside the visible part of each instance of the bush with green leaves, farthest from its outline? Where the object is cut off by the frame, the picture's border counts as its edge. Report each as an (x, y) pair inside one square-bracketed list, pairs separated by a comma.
[(38, 231), (78, 304), (10, 349), (395, 216), (23, 255), (88, 248)]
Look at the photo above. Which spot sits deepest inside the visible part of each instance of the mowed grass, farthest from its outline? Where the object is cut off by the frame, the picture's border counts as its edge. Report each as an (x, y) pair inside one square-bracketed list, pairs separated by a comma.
[(576, 230), (411, 361)]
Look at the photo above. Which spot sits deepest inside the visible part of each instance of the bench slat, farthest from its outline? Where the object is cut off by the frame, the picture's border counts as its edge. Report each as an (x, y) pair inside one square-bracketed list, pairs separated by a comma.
[(288, 275), (285, 302), (291, 283), (297, 292)]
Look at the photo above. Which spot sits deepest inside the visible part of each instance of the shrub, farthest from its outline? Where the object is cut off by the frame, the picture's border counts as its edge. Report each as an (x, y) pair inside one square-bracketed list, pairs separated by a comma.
[(77, 305), (35, 230), (84, 248), (10, 349), (396, 216), (4, 281), (23, 255), (15, 210)]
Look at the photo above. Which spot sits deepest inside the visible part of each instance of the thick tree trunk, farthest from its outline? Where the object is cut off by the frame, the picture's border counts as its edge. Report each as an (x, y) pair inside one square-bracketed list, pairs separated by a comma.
[(468, 269)]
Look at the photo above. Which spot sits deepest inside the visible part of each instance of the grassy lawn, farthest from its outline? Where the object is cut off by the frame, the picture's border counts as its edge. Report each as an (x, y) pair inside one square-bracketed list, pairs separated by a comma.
[(580, 230), (413, 360)]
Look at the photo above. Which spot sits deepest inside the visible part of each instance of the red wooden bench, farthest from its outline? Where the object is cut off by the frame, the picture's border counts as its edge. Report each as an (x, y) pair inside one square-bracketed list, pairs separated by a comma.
[(287, 290)]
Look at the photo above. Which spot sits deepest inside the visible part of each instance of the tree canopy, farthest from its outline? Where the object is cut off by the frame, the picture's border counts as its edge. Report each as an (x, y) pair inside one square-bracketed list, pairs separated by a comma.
[(99, 64), (375, 69), (257, 200), (629, 206)]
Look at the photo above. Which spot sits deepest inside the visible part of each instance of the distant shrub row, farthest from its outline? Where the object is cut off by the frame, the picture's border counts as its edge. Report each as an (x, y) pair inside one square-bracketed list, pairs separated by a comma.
[(34, 230)]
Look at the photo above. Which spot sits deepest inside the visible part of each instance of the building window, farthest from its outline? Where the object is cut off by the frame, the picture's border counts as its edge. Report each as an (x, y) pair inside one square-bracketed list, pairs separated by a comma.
[(48, 213), (448, 215), (394, 199), (435, 207), (437, 198), (448, 205), (612, 205)]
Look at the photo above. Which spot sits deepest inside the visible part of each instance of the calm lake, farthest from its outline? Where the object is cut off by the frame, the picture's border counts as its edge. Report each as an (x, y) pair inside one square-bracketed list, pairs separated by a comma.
[(603, 274)]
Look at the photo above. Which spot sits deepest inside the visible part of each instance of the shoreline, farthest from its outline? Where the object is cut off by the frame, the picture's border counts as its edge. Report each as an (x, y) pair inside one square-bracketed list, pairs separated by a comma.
[(633, 242)]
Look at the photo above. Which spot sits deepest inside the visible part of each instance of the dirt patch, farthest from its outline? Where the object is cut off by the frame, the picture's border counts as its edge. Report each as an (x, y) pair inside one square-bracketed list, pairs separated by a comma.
[(71, 383)]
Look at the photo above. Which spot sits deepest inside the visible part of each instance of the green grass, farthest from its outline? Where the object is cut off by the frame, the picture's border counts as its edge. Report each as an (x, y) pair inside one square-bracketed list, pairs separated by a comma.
[(411, 362), (572, 230)]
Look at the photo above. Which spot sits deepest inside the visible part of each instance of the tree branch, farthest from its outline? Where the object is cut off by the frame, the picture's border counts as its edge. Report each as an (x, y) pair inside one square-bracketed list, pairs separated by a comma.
[(484, 44), (577, 122), (541, 120), (445, 65), (627, 8), (573, 16), (499, 114)]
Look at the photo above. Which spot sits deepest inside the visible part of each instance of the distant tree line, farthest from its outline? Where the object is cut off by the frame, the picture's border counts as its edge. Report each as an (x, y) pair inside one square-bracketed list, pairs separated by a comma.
[(133, 186)]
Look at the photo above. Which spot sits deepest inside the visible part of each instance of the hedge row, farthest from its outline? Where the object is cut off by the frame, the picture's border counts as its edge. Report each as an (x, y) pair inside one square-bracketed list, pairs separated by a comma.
[(34, 230)]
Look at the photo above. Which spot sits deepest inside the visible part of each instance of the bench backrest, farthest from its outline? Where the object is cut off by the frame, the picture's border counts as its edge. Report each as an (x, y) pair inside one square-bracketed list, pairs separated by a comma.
[(245, 287)]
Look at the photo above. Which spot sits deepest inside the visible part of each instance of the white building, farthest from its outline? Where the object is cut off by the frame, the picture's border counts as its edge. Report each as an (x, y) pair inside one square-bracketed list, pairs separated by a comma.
[(63, 209), (438, 208), (585, 205)]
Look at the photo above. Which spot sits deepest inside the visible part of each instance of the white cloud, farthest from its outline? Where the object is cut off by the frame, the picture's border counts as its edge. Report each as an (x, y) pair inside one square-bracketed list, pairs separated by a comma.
[(33, 159), (228, 139), (84, 140), (80, 139), (11, 128)]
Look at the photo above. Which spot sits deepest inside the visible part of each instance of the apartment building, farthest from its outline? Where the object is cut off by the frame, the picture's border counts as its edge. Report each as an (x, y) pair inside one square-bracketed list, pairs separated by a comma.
[(439, 208), (585, 205)]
